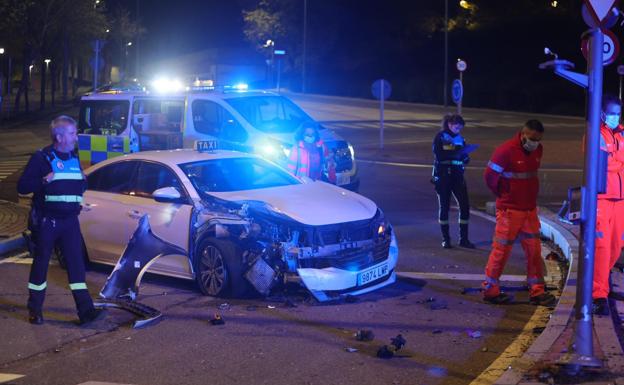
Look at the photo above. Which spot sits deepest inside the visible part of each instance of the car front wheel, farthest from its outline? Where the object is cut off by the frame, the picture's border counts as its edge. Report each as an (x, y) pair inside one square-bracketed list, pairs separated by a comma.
[(218, 268)]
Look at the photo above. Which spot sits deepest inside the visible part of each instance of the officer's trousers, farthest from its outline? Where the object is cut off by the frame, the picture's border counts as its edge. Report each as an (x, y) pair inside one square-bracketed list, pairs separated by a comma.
[(65, 232), (452, 185), (609, 243), (512, 224)]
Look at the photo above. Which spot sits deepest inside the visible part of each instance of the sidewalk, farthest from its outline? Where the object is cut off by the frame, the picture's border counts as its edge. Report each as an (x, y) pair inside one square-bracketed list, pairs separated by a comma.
[(13, 221)]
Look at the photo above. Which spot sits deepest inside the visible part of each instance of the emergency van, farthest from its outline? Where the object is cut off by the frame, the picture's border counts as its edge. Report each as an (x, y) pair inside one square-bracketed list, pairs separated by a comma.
[(260, 122)]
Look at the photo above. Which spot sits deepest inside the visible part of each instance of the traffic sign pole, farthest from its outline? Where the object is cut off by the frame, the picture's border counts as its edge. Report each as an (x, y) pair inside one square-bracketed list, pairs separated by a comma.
[(583, 345), (459, 105), (381, 117)]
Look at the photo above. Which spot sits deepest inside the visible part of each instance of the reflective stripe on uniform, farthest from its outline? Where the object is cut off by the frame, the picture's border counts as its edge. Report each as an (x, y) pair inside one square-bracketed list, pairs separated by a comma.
[(32, 286), (67, 176), (495, 167), (443, 222), (64, 198), (463, 221), (78, 286), (519, 175), (452, 162), (535, 281), (524, 235), (504, 242)]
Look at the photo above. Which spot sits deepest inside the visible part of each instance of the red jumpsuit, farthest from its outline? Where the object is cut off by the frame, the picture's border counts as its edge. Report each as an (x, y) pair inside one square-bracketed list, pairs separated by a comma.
[(512, 176), (610, 213)]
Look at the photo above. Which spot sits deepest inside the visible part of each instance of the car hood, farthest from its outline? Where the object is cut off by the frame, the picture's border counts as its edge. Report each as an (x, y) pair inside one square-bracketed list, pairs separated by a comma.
[(312, 203)]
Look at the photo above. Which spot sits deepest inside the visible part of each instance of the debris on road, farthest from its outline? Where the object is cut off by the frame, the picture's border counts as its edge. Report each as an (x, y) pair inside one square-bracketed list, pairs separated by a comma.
[(385, 352), (398, 342), (474, 333), (270, 307), (350, 350), (217, 320), (224, 306), (364, 335)]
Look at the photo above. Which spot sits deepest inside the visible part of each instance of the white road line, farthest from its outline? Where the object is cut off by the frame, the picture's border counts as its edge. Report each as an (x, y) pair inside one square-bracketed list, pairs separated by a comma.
[(6, 377), (459, 276), (101, 383), (17, 259), (421, 165)]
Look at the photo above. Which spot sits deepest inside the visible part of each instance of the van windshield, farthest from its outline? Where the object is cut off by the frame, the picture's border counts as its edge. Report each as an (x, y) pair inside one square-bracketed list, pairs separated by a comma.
[(270, 113)]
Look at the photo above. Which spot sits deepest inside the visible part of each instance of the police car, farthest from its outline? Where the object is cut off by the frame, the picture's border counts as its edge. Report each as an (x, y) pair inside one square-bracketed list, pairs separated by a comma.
[(246, 223), (261, 122)]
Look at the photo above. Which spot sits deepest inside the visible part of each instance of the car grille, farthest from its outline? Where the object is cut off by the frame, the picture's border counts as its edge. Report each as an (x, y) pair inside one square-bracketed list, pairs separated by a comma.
[(337, 233), (351, 259), (342, 155)]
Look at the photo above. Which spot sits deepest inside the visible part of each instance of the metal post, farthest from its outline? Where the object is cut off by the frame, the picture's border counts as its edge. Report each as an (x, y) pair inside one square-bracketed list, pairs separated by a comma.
[(9, 73), (381, 114), (583, 341), (96, 65), (620, 94), (445, 53), (305, 33)]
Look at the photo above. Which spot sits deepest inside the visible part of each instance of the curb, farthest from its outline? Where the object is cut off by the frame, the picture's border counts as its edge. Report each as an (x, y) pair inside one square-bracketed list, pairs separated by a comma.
[(12, 243)]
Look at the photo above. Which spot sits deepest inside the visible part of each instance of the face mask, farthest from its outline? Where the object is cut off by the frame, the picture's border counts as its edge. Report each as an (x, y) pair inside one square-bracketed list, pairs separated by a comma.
[(308, 139), (612, 121), (529, 145)]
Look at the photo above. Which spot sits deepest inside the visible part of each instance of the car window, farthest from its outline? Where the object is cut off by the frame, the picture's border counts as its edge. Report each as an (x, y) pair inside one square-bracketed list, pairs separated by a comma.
[(236, 174), (212, 119), (270, 113), (152, 176), (113, 178), (160, 115), (103, 117)]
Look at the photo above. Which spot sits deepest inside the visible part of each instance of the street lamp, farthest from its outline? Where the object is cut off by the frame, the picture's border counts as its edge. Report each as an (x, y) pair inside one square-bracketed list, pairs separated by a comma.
[(270, 44)]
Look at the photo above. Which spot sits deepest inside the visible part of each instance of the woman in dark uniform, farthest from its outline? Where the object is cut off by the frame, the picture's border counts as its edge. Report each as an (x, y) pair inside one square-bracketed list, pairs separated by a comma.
[(450, 156)]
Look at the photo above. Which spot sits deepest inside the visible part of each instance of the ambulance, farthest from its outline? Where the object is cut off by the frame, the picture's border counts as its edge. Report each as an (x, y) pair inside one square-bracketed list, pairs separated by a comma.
[(262, 122)]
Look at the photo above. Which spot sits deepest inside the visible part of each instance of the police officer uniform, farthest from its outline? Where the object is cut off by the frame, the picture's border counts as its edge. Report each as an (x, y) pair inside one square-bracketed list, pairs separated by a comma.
[(58, 203), (450, 157)]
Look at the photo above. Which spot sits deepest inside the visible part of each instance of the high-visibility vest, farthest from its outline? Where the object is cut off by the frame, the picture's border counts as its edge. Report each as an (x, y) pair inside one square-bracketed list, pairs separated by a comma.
[(65, 190)]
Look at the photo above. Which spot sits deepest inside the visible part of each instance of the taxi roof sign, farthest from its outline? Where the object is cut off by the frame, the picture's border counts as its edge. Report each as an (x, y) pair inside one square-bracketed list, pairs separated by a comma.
[(205, 145)]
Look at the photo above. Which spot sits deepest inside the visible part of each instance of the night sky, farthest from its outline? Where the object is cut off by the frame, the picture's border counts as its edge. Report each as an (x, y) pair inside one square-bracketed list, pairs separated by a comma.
[(351, 43)]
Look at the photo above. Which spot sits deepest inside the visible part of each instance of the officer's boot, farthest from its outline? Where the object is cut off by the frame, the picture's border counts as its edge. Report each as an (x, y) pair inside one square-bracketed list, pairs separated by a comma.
[(35, 305), (446, 238), (463, 236)]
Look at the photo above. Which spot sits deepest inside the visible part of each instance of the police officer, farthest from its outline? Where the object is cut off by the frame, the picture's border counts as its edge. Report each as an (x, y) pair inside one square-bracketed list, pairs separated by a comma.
[(450, 156), (54, 176)]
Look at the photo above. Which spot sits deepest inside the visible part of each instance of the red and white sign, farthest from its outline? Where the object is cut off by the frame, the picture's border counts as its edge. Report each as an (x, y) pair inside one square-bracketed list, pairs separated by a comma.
[(599, 9), (610, 47)]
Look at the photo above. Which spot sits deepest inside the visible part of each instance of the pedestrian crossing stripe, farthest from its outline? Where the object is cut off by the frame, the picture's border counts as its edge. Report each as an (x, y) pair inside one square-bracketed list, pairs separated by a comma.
[(93, 149), (6, 377)]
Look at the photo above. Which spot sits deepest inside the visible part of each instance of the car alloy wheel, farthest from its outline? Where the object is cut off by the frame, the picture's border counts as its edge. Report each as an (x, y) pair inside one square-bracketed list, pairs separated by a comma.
[(213, 273)]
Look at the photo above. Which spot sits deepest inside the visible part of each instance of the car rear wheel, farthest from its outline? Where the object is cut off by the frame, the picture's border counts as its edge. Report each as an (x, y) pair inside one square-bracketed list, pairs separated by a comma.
[(218, 268)]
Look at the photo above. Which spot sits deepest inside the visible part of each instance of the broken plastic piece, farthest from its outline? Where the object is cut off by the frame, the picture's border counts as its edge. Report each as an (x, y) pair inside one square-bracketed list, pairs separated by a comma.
[(351, 350), (224, 306), (364, 335), (398, 342), (217, 320), (385, 352), (474, 334)]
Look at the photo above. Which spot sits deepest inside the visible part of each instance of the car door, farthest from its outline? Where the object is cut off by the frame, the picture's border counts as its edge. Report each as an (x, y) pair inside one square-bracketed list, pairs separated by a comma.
[(105, 207), (169, 221), (213, 122)]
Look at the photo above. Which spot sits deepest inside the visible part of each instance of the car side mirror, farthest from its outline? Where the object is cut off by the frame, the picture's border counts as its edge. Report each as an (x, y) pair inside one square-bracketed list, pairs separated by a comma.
[(167, 195)]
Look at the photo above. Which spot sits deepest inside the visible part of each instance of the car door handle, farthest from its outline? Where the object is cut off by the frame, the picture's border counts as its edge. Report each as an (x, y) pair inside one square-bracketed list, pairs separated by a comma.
[(134, 214)]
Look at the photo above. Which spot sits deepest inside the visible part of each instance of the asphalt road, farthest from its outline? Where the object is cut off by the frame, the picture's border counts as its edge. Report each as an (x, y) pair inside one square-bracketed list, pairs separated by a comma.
[(266, 341)]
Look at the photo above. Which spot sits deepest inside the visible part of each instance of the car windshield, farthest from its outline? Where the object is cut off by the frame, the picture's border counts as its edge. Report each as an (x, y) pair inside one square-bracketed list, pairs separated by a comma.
[(270, 113), (236, 174)]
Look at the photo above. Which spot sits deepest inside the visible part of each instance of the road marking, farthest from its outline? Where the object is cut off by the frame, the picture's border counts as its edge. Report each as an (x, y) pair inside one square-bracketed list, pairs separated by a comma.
[(6, 377), (9, 167), (101, 383), (459, 276), (428, 165)]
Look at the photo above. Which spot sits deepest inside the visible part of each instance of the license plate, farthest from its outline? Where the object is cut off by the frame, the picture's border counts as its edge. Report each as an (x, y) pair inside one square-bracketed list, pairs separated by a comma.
[(372, 274), (342, 178)]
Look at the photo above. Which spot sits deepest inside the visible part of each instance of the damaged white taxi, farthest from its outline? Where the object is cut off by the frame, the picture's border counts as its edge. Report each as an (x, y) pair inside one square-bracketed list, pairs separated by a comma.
[(244, 222)]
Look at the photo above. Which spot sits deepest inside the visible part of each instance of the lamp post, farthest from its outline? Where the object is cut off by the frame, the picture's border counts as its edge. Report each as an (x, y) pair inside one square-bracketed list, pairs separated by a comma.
[(445, 53), (128, 44), (270, 44)]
